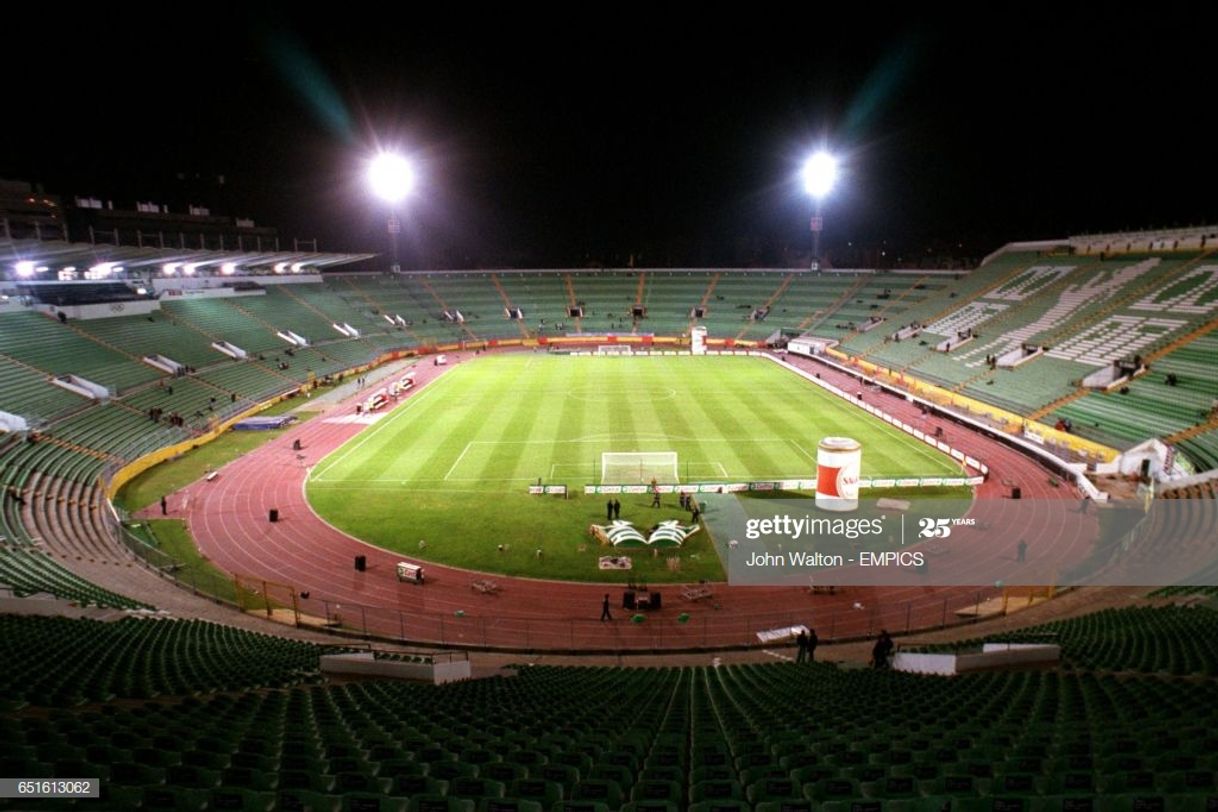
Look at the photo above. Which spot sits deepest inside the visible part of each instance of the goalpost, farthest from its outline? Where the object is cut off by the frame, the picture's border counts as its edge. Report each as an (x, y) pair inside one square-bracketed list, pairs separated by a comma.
[(622, 468), (614, 349)]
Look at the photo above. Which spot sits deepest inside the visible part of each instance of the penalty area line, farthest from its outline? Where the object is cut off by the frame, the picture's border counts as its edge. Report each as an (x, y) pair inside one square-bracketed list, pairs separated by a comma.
[(464, 451)]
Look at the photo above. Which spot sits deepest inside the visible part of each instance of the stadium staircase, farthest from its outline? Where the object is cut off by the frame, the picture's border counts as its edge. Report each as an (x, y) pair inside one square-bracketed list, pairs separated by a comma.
[(155, 333), (890, 309), (326, 318), (375, 308), (814, 319), (507, 303), (444, 305), (704, 302), (572, 300), (221, 319), (1037, 414), (770, 301), (248, 311)]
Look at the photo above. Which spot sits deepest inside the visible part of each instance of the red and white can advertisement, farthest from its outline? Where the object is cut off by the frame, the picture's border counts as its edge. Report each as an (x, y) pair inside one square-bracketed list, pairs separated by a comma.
[(838, 463)]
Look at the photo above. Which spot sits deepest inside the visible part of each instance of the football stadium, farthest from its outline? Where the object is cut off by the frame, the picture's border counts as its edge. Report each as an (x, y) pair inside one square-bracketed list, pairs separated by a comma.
[(831, 523)]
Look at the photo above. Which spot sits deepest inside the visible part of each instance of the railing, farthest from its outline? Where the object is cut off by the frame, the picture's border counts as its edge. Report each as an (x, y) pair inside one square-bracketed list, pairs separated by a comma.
[(671, 629), (199, 581)]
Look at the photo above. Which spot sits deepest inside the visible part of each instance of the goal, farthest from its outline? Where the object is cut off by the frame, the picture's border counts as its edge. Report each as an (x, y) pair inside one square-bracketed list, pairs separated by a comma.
[(623, 468), (614, 349)]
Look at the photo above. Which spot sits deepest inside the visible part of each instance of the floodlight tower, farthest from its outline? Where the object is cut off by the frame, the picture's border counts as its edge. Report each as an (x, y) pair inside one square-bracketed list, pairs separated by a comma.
[(391, 178), (819, 174)]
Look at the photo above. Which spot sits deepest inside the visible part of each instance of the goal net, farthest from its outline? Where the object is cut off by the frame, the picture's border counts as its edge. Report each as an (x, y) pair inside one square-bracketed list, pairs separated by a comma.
[(614, 349), (623, 468)]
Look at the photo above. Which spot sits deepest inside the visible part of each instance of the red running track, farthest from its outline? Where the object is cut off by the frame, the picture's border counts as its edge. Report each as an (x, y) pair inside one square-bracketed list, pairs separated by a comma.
[(228, 519)]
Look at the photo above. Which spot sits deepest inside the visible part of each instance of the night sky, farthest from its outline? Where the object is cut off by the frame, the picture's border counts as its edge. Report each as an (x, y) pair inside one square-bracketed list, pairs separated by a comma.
[(568, 139)]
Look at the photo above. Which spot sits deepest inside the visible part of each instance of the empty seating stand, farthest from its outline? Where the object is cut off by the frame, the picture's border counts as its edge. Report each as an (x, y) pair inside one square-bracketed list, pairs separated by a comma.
[(141, 658), (626, 739)]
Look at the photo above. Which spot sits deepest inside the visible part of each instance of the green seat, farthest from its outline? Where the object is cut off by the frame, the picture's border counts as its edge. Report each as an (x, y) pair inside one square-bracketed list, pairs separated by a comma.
[(303, 800), (581, 806), (546, 793), (653, 790), (370, 802), (235, 799), (829, 789), (721, 805), (178, 799), (599, 791), (438, 803), (509, 805), (716, 790), (475, 788), (773, 788), (412, 784), (783, 806)]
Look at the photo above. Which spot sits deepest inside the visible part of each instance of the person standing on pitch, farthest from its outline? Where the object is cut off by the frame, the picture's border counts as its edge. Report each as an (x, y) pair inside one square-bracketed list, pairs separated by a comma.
[(609, 510), (801, 643), (605, 609), (813, 642), (617, 509)]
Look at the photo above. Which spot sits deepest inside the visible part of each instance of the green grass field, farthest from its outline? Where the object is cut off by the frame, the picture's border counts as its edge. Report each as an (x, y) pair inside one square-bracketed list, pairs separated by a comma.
[(452, 464)]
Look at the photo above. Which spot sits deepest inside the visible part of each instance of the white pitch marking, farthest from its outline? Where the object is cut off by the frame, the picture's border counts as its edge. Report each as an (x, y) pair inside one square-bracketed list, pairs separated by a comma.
[(368, 435), (802, 450), (464, 451)]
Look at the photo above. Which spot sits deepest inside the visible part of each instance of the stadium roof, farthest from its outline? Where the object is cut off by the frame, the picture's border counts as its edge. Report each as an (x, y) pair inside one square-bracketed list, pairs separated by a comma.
[(55, 255)]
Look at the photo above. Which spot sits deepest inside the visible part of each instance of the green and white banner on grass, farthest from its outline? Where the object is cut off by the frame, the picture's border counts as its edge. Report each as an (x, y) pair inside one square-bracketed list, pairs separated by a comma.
[(621, 533)]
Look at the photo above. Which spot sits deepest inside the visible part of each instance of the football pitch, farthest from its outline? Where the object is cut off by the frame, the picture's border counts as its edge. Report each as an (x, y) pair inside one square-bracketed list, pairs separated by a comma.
[(452, 464)]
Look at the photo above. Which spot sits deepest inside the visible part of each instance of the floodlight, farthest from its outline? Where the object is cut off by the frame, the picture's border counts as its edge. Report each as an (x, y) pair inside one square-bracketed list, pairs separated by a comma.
[(24, 268), (170, 268), (228, 268), (281, 267), (391, 177), (819, 174)]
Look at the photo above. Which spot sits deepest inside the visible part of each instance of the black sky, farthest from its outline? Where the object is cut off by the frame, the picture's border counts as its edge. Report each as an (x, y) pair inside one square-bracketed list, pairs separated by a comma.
[(564, 138)]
